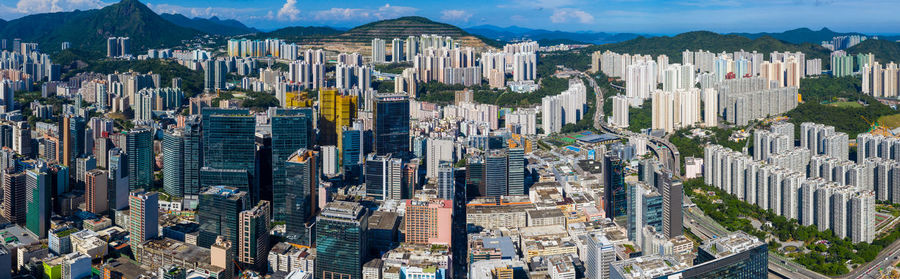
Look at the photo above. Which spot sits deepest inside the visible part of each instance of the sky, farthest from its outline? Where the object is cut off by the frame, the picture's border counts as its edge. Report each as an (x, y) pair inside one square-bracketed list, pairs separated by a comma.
[(638, 16)]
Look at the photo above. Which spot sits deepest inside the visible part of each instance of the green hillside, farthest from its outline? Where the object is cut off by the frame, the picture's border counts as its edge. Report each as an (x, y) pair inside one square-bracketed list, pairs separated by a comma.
[(884, 51), (88, 30)]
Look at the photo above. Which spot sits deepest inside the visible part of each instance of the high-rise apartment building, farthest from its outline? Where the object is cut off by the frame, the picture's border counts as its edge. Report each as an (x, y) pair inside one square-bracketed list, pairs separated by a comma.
[(378, 51), (143, 222), (95, 191)]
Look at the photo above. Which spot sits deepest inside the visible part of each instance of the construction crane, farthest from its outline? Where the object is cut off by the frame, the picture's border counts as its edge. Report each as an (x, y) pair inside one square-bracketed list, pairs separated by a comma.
[(877, 129)]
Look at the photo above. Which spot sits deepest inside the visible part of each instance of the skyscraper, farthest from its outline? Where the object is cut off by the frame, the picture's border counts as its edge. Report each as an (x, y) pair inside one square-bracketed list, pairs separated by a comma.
[(672, 202), (475, 177), (229, 150), (301, 195), (496, 173), (253, 239), (95, 196), (378, 51), (335, 112), (614, 186), (291, 130), (446, 183), (384, 177), (351, 153), (516, 170), (392, 124), (341, 242), (139, 147), (37, 201), (13, 200), (218, 214), (117, 182), (143, 224), (182, 159), (644, 209)]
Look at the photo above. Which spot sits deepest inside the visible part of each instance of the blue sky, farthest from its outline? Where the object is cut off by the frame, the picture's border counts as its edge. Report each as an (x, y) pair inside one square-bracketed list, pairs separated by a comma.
[(643, 16)]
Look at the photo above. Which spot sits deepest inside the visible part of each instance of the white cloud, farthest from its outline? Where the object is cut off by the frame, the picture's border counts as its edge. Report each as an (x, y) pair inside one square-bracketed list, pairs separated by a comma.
[(289, 11), (566, 15), (455, 15), (350, 14), (47, 6)]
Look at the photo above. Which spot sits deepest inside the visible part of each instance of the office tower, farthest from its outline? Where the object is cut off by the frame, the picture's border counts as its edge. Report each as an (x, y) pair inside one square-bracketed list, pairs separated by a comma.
[(475, 184), (95, 196), (496, 174), (13, 199), (292, 129), (143, 222), (72, 130), (391, 124), (182, 159), (600, 254), (351, 153), (378, 51), (229, 150), (644, 209), (446, 181), (335, 112), (614, 186), (301, 195), (397, 50), (37, 202), (516, 171), (341, 242), (253, 231), (384, 177), (620, 111), (117, 190), (139, 147), (428, 222), (218, 214), (672, 202)]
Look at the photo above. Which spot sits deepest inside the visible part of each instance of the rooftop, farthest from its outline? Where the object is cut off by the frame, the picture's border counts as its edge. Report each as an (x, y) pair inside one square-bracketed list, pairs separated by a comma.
[(731, 244)]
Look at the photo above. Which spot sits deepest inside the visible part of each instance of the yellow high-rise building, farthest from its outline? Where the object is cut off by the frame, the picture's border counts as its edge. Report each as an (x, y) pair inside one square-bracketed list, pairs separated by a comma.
[(335, 112)]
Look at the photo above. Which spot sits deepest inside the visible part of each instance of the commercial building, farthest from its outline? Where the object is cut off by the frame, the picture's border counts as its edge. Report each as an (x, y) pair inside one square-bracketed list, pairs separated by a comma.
[(341, 240), (301, 195)]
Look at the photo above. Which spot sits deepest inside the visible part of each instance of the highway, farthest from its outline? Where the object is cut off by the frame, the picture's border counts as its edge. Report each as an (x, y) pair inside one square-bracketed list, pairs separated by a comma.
[(671, 157)]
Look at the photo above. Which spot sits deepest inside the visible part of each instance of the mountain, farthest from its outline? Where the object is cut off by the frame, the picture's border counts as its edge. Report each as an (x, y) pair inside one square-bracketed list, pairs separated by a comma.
[(89, 29), (402, 28), (884, 51), (513, 33), (299, 33), (800, 35), (705, 40), (213, 25)]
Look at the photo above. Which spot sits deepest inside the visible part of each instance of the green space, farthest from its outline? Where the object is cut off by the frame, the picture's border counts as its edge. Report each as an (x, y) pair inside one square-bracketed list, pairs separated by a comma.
[(693, 147), (846, 104), (639, 118), (826, 258), (393, 68), (847, 119), (890, 121)]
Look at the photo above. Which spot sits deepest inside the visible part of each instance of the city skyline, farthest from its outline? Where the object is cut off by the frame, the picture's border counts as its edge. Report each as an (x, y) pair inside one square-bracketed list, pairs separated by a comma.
[(616, 16)]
